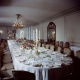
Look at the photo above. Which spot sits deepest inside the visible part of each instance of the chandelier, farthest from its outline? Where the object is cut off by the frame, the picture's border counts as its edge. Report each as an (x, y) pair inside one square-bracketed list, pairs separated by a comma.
[(18, 23)]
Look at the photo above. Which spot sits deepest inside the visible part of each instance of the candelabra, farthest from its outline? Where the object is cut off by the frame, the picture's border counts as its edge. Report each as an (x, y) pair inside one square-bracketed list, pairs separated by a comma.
[(37, 42)]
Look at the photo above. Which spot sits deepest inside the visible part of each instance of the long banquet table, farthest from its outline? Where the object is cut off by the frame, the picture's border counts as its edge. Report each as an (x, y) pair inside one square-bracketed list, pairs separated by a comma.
[(39, 64)]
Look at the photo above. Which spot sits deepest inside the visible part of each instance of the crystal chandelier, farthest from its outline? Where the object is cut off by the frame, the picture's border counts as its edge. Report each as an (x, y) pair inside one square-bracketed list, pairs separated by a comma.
[(18, 23)]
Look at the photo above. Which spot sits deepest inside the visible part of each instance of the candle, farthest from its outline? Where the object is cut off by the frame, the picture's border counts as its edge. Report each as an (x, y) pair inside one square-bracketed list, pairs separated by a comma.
[(39, 35), (36, 34), (36, 37), (33, 35)]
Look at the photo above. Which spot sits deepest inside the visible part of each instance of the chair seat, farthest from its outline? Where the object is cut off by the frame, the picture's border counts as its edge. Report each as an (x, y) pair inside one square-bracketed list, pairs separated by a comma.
[(52, 47), (7, 55), (7, 66), (7, 73), (7, 60), (6, 52), (8, 78)]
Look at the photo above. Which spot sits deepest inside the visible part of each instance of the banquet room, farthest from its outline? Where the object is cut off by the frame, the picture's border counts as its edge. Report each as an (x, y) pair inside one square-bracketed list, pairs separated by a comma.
[(39, 40)]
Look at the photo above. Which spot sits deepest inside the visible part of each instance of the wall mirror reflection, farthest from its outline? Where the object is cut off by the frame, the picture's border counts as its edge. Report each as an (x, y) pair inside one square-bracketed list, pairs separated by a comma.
[(51, 33)]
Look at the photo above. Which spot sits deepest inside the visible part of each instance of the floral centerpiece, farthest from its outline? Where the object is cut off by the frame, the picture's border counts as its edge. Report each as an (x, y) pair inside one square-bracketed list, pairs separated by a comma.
[(26, 46)]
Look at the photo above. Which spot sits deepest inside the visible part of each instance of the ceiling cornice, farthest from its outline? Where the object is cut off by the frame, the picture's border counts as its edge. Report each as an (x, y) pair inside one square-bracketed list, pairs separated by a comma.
[(66, 12)]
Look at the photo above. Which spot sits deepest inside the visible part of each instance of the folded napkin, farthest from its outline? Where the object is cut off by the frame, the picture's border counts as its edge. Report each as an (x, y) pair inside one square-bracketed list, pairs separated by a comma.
[(27, 62), (58, 63), (48, 56), (53, 53), (17, 55), (49, 65), (22, 60)]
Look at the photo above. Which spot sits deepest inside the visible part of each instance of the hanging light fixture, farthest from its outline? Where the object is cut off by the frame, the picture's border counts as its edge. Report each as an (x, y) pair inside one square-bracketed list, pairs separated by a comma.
[(18, 23)]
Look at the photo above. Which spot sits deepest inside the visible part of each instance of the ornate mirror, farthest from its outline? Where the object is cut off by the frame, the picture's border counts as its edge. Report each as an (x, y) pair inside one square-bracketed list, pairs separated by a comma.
[(51, 33)]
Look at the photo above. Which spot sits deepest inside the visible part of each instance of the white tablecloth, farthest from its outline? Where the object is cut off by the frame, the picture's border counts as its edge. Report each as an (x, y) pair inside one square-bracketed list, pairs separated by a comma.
[(39, 64), (75, 48)]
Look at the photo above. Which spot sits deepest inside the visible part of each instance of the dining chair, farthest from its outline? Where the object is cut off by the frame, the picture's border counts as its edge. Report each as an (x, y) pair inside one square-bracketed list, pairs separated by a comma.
[(61, 44), (76, 68), (47, 46), (43, 44), (66, 45), (7, 78), (59, 49), (56, 45), (67, 51), (6, 74), (52, 47), (23, 75), (78, 54), (67, 71), (1, 52)]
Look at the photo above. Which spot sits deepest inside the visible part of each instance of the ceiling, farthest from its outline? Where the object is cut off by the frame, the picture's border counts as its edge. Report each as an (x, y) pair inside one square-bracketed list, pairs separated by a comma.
[(33, 11)]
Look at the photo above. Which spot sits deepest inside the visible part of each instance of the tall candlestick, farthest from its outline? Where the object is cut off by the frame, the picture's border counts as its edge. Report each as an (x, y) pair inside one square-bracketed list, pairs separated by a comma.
[(36, 34), (36, 37), (39, 35), (33, 35)]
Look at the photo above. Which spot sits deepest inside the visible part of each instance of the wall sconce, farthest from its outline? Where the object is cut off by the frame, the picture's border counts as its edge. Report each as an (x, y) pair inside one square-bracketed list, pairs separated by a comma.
[(1, 31)]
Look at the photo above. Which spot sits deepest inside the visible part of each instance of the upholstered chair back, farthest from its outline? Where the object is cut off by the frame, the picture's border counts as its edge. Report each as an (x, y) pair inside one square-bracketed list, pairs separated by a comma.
[(47, 46), (67, 45), (67, 51), (43, 44), (78, 54), (52, 47), (59, 49), (57, 43), (61, 44)]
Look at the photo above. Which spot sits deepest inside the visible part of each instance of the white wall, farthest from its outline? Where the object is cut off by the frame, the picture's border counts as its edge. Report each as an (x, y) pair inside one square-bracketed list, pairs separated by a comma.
[(60, 30), (44, 27), (73, 27), (67, 28)]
